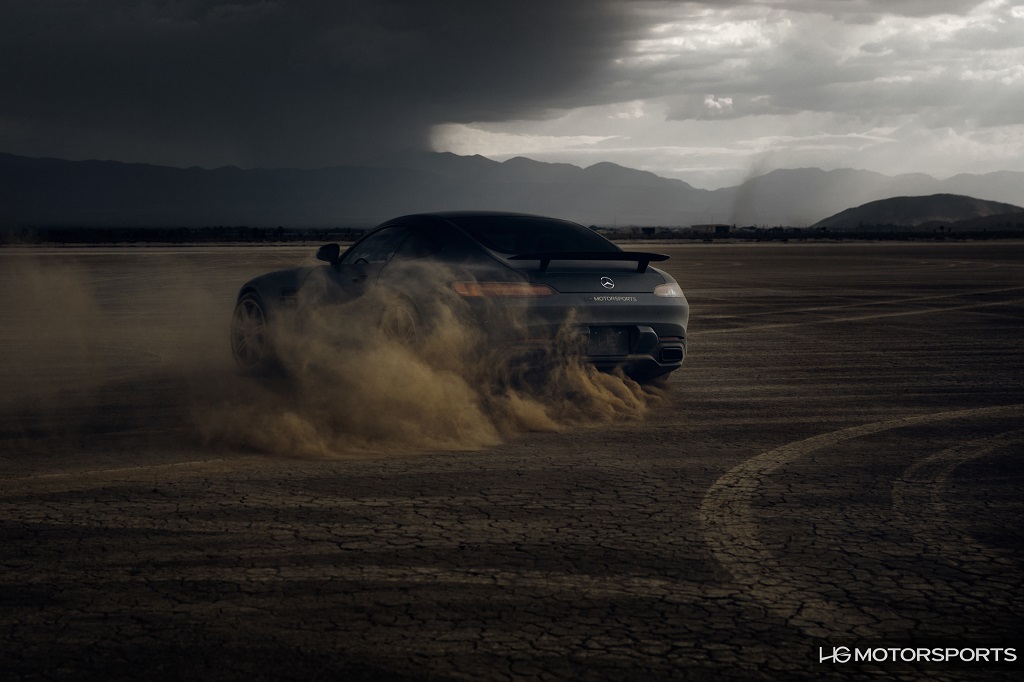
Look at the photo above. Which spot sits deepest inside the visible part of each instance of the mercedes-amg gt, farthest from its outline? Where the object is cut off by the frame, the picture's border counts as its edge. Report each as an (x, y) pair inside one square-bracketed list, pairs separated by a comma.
[(525, 279)]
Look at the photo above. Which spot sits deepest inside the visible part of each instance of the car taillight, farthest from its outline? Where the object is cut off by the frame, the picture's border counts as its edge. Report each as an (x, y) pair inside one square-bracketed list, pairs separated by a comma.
[(668, 290), (507, 289)]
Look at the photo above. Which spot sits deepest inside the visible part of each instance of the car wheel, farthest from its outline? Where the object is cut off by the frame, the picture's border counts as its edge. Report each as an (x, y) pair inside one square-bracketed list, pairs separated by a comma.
[(401, 323), (250, 336)]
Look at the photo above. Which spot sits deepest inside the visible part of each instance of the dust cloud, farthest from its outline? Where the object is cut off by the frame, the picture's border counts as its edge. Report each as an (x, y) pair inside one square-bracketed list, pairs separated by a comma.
[(96, 349), (99, 345), (347, 387)]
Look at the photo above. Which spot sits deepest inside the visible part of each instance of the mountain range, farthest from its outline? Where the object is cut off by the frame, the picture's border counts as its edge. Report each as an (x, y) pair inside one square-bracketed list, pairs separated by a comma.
[(54, 192)]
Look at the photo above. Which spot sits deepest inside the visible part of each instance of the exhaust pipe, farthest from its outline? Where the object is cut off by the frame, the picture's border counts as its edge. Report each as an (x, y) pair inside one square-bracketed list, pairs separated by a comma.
[(671, 354)]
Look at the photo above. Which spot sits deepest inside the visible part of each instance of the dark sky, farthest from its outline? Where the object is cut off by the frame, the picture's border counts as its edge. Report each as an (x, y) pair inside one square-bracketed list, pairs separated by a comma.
[(272, 83), (709, 91)]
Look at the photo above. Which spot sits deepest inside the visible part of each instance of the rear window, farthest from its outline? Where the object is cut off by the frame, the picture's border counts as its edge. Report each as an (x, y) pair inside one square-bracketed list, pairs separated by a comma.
[(523, 234)]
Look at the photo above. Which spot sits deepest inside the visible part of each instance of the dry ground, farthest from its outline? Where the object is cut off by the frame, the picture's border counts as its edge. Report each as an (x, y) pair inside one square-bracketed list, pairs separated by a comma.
[(839, 462)]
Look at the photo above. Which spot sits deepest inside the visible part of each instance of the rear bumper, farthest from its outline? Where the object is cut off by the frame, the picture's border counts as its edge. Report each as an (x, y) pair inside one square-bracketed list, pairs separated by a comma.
[(650, 356), (643, 334), (642, 354)]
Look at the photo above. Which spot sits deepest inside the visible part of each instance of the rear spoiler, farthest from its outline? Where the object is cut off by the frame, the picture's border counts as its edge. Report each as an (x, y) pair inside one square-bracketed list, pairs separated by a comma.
[(641, 258)]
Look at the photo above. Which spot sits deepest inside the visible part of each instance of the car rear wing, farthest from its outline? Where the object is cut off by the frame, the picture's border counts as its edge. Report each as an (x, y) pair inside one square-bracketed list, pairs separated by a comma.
[(641, 258)]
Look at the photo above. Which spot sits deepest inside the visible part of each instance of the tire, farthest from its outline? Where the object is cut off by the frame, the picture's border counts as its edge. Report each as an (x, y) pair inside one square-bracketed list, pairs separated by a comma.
[(400, 323), (250, 336)]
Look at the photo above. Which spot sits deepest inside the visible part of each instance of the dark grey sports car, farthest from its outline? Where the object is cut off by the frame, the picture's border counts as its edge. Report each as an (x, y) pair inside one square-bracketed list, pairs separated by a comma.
[(524, 279)]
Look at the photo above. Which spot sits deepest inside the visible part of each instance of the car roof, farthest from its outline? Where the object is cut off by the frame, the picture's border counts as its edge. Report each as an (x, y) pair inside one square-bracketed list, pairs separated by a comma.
[(483, 214), (444, 215)]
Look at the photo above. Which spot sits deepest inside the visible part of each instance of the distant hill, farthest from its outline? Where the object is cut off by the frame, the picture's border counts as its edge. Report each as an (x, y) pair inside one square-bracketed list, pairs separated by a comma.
[(930, 211), (54, 192)]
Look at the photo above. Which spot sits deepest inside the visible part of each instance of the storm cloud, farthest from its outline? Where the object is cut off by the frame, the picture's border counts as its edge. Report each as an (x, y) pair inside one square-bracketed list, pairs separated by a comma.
[(274, 83), (704, 91)]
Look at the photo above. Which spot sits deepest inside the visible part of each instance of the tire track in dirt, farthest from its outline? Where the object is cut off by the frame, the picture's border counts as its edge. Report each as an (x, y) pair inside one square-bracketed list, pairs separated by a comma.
[(731, 527)]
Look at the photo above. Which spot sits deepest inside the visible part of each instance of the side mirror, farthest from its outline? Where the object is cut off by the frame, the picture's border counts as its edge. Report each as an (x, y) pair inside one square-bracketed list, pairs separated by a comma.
[(329, 253)]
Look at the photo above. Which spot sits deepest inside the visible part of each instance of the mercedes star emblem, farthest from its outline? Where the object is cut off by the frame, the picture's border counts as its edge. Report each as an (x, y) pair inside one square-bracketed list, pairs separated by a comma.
[(607, 283)]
